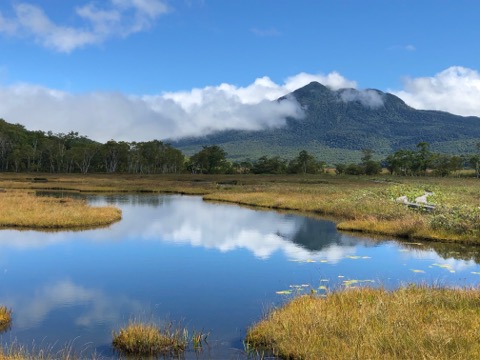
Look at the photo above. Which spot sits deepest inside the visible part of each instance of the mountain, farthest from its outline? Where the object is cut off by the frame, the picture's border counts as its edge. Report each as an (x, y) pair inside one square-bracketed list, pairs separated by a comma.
[(338, 124)]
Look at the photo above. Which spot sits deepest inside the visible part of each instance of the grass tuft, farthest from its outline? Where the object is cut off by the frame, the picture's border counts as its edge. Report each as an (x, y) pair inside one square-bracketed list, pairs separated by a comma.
[(142, 339), (5, 318), (414, 322)]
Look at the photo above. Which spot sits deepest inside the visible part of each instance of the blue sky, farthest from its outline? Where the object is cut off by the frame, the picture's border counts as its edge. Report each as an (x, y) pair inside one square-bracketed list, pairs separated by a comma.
[(143, 69)]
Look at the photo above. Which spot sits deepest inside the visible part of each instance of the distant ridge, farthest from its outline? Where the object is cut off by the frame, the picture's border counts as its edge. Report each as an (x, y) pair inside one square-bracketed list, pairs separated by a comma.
[(338, 124)]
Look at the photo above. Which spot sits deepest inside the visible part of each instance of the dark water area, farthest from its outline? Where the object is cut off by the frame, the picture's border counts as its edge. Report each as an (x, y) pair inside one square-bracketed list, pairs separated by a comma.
[(211, 267)]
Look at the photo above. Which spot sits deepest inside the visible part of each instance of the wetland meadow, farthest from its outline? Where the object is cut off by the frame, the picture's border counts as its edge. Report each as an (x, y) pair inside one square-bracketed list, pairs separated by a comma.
[(277, 276)]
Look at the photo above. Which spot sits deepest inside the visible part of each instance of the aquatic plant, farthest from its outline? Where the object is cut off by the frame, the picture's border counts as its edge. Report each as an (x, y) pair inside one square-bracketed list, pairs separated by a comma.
[(5, 318), (139, 338)]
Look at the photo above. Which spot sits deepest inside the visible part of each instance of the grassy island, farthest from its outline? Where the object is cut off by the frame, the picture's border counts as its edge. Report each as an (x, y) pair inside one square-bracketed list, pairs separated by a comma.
[(143, 339), (22, 209), (366, 323)]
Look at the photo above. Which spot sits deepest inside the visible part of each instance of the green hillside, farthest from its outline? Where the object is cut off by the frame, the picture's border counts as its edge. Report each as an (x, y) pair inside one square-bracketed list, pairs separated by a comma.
[(338, 124)]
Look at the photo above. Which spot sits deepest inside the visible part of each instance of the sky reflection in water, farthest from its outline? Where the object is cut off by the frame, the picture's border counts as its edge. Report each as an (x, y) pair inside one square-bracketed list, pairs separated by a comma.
[(210, 266)]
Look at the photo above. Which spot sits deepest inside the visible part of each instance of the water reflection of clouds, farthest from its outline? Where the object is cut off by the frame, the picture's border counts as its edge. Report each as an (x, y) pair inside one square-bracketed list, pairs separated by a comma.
[(189, 220), (227, 228), (96, 306)]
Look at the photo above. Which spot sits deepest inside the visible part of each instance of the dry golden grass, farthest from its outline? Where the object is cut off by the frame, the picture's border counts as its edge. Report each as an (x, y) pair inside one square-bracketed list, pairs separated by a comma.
[(25, 210), (5, 318), (142, 339), (409, 323)]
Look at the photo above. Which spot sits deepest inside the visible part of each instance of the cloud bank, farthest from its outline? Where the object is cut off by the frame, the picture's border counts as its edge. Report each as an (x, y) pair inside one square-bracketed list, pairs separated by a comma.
[(103, 116), (117, 18), (456, 90), (201, 111)]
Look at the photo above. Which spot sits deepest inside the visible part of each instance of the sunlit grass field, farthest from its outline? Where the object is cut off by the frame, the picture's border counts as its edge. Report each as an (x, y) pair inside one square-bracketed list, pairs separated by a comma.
[(413, 322)]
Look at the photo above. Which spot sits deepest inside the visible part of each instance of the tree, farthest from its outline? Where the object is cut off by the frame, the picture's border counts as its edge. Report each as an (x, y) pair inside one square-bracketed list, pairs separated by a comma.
[(423, 158), (82, 155), (370, 167), (266, 165), (305, 163), (401, 162), (114, 154), (475, 161), (209, 160)]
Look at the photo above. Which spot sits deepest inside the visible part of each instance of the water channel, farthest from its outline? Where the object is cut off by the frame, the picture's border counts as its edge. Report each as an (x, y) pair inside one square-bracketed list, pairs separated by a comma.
[(211, 267)]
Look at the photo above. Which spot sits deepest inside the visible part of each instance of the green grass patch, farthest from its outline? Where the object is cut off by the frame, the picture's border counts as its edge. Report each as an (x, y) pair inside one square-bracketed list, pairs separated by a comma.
[(414, 322)]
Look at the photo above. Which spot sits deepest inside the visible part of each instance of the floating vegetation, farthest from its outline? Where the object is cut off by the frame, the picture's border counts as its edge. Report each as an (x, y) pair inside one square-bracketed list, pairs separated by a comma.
[(354, 281), (475, 273), (304, 261), (284, 292), (418, 271), (444, 266), (299, 286)]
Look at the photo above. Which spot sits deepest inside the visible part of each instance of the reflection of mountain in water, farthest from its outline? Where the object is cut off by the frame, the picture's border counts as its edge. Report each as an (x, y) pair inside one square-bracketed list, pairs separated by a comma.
[(315, 235)]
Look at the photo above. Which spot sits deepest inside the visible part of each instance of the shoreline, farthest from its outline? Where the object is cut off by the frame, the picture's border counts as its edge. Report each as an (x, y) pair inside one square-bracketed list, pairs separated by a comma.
[(357, 204)]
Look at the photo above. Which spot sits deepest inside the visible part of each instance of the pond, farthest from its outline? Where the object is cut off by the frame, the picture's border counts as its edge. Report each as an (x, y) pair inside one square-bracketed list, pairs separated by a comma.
[(211, 267)]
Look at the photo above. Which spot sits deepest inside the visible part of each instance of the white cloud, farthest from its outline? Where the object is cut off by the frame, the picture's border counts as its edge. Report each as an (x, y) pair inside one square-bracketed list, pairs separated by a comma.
[(369, 98), (97, 307), (118, 18), (103, 116), (456, 90), (333, 80)]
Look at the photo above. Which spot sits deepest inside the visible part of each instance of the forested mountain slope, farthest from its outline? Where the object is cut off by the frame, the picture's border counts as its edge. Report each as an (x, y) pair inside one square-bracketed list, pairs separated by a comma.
[(337, 124)]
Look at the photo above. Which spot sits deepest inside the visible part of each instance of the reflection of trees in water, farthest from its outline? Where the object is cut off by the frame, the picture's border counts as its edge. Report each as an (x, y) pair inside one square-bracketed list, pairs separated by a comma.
[(315, 235), (129, 199), (138, 199), (447, 251)]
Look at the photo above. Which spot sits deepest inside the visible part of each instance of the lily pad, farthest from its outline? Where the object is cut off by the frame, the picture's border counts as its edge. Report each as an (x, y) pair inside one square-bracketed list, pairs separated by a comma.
[(418, 271), (283, 292)]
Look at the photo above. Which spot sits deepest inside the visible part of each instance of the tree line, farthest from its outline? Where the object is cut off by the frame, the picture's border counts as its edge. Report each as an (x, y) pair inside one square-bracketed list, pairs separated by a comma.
[(37, 151)]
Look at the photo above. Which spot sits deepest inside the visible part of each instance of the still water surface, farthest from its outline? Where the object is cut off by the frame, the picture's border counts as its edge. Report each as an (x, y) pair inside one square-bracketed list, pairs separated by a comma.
[(209, 266)]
